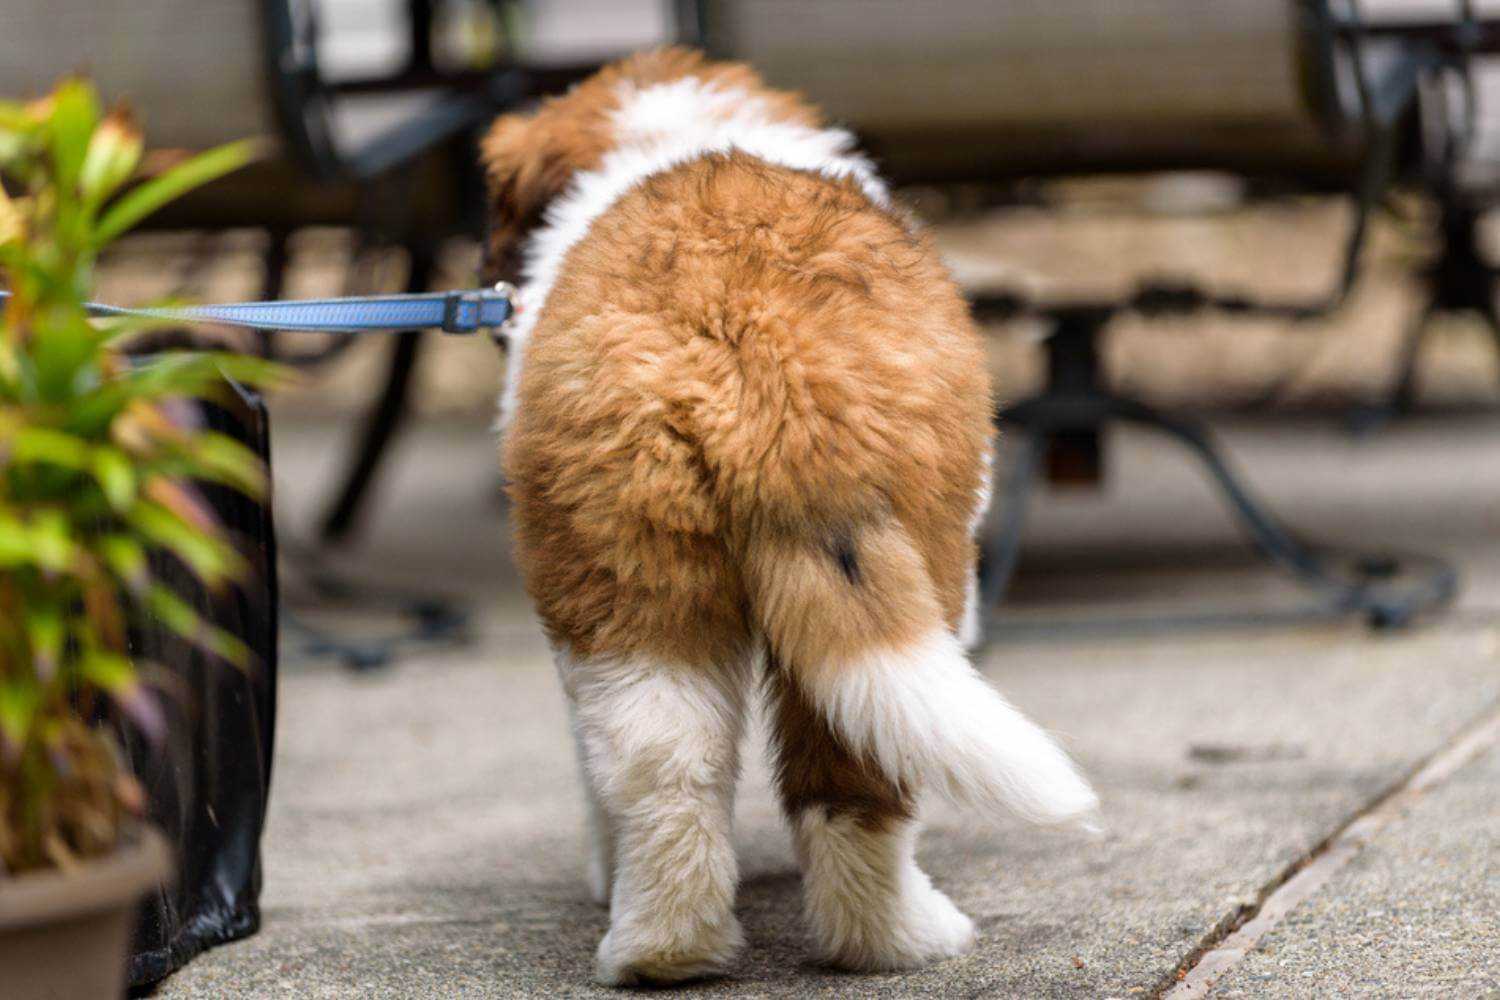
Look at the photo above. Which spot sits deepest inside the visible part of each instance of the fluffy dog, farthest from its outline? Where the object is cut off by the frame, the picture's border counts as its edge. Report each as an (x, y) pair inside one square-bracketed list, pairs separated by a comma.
[(747, 439)]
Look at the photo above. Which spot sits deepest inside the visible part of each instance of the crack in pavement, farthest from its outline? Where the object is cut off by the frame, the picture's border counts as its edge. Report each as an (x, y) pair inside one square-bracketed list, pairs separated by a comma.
[(1234, 937)]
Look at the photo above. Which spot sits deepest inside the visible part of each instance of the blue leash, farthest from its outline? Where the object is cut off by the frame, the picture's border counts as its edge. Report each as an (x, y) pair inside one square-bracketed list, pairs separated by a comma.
[(458, 312)]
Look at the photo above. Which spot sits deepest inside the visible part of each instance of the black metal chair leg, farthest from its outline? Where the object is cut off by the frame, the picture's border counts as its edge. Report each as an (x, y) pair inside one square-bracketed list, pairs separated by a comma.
[(1491, 316), (384, 420), (1000, 549), (1403, 398), (273, 279)]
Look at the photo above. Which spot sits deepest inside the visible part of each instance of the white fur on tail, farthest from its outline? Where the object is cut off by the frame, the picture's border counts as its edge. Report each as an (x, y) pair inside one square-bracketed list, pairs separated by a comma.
[(928, 719)]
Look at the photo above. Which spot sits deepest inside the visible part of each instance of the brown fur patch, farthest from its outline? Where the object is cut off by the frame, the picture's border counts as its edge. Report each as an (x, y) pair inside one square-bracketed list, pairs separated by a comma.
[(739, 364), (529, 158), (814, 771)]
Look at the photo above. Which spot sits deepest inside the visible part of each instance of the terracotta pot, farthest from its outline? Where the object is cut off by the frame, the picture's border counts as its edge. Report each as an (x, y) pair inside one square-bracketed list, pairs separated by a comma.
[(63, 936)]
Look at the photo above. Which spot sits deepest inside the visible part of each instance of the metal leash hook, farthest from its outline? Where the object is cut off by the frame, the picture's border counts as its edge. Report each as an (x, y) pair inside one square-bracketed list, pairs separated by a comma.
[(500, 333)]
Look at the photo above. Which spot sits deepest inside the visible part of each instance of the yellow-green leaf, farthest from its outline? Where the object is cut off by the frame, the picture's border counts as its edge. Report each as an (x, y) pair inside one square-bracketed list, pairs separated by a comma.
[(18, 709), (74, 112), (126, 559), (209, 558), (113, 152), (181, 618), (52, 540), (42, 444), (108, 671), (44, 630), (223, 459), (15, 541), (146, 198), (116, 475)]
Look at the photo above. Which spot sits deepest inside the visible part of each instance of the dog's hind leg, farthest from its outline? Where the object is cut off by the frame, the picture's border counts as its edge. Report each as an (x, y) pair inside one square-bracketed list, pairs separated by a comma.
[(661, 746), (600, 837), (866, 903), (875, 702)]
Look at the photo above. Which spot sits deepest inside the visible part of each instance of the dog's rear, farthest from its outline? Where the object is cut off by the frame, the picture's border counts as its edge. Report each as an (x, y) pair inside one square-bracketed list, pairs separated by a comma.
[(748, 443)]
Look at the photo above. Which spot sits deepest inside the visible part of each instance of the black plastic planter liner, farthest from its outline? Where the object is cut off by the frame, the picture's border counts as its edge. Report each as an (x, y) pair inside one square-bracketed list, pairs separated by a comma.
[(207, 785)]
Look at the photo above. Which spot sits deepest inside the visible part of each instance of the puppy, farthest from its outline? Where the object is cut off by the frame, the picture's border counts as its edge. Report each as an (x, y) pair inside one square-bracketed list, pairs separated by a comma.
[(747, 436)]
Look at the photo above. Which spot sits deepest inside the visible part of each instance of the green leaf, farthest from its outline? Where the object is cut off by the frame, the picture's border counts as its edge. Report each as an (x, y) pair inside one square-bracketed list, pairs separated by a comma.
[(126, 559), (172, 373), (141, 201), (44, 540), (12, 218), (117, 676), (251, 371), (15, 118), (117, 331), (12, 144), (116, 475), (75, 112), (181, 618), (18, 709), (195, 373), (52, 543), (107, 671), (222, 459), (41, 444), (66, 346), (45, 632), (113, 152), (209, 558), (15, 541)]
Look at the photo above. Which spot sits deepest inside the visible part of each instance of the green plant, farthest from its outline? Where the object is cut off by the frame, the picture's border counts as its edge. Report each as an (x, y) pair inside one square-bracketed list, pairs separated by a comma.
[(98, 456)]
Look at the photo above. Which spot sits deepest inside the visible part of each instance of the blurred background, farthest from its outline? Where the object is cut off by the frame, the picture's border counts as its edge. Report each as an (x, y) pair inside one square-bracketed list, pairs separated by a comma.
[(999, 122)]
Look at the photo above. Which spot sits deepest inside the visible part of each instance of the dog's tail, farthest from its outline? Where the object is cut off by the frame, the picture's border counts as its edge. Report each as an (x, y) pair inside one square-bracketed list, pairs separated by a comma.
[(854, 623)]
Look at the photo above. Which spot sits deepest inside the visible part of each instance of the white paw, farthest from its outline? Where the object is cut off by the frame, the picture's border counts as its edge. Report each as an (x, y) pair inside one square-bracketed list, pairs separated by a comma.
[(926, 928), (629, 957), (945, 931)]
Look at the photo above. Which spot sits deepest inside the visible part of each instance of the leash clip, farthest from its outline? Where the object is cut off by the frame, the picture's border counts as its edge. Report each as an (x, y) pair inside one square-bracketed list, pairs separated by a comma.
[(500, 332), (466, 311), (457, 319)]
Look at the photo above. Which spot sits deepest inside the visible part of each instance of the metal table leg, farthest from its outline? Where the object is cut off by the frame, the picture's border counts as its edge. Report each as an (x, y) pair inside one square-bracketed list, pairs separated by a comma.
[(1388, 590)]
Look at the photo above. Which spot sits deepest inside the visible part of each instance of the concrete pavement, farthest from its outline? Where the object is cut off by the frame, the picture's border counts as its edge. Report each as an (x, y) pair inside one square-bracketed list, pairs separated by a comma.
[(1416, 914), (425, 834)]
